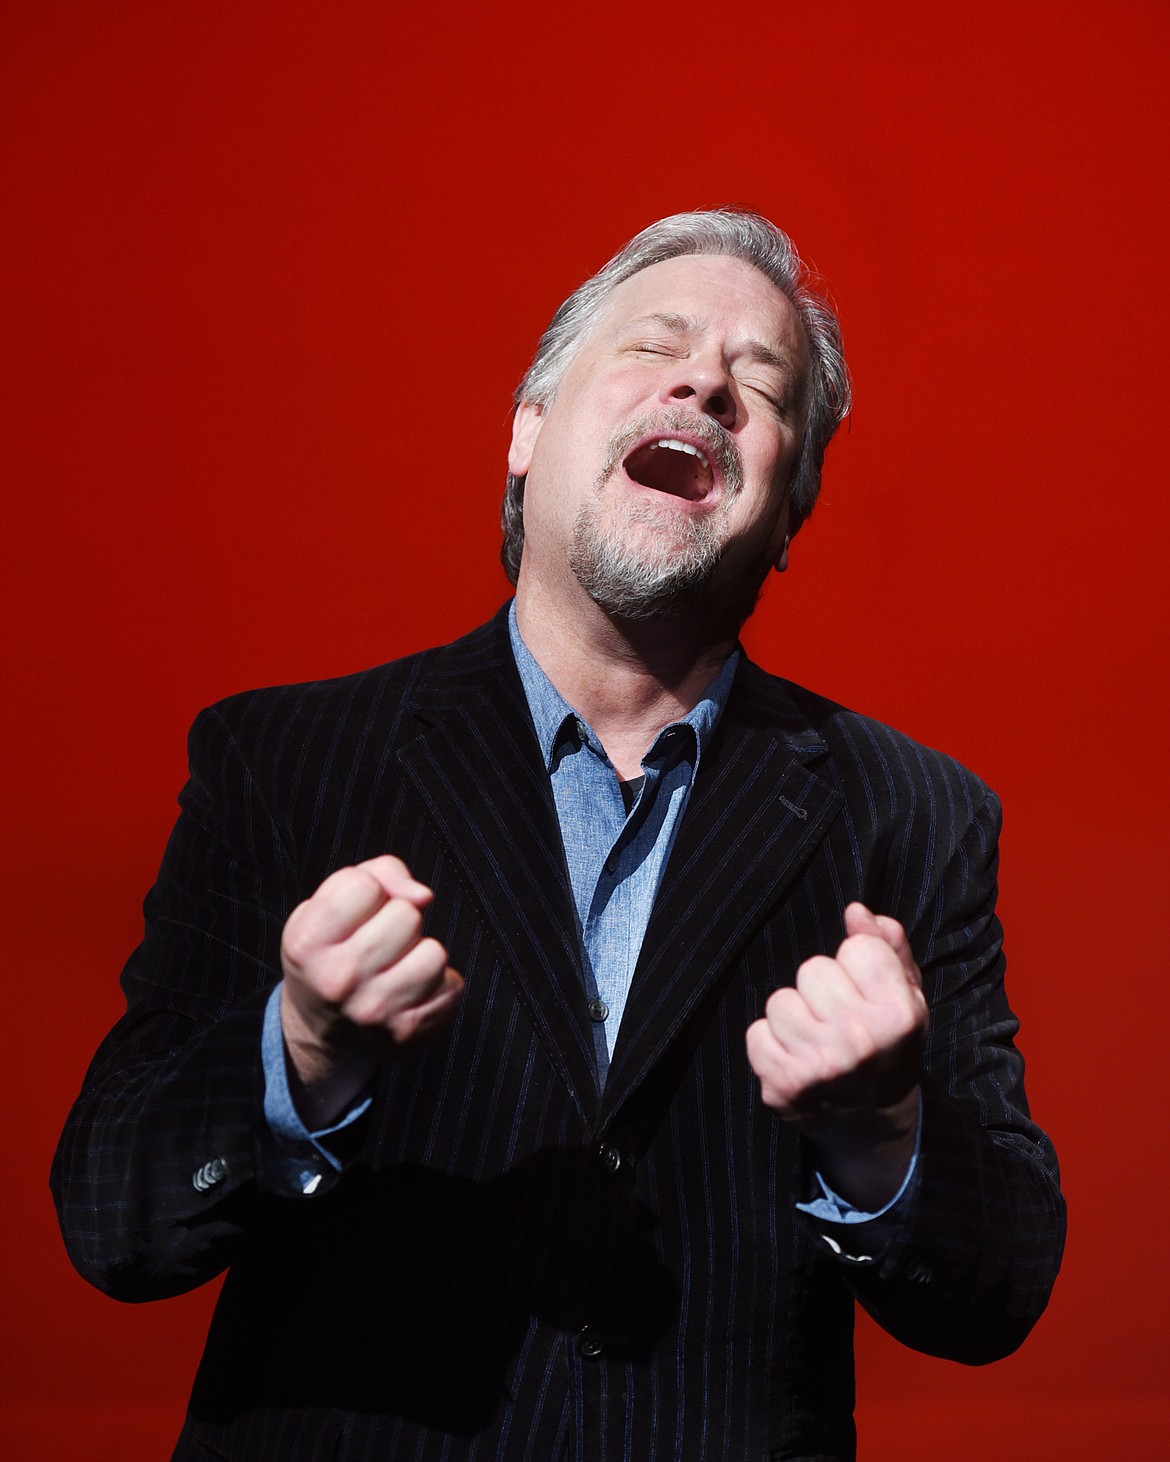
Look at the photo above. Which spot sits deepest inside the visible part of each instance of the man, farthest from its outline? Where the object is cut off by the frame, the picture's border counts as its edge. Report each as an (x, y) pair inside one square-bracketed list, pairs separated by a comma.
[(555, 1032)]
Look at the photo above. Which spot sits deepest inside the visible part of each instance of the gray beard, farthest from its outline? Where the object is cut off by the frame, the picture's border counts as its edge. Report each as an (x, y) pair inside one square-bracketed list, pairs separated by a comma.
[(630, 582)]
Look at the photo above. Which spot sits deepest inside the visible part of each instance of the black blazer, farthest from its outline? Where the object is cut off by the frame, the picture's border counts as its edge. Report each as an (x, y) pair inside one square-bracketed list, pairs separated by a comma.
[(514, 1264)]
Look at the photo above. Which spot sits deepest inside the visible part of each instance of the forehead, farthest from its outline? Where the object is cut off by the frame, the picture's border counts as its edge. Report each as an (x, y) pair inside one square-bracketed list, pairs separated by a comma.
[(712, 293)]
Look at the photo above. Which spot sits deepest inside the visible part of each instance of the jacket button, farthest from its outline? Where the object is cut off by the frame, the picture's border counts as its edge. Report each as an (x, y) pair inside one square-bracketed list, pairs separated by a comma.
[(210, 1174), (611, 1158), (920, 1273), (589, 1343), (598, 1010)]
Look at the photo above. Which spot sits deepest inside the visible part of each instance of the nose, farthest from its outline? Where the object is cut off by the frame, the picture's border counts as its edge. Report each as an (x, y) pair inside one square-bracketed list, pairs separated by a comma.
[(705, 380)]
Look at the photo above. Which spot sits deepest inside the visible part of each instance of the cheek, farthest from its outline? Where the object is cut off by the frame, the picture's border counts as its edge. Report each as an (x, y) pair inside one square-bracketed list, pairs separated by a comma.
[(579, 429), (606, 396)]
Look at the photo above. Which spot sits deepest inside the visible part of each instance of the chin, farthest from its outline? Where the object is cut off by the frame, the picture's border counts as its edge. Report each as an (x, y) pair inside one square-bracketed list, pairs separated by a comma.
[(660, 565), (656, 586)]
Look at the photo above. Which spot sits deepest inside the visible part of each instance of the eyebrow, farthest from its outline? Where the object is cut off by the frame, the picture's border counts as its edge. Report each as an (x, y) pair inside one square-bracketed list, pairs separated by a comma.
[(755, 350)]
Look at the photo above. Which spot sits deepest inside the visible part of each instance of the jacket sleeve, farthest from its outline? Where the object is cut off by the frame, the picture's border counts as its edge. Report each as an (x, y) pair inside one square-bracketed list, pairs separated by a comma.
[(971, 1262), (155, 1176)]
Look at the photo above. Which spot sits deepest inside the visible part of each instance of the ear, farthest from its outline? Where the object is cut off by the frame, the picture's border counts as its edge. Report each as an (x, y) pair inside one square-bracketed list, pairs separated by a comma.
[(780, 562), (526, 426)]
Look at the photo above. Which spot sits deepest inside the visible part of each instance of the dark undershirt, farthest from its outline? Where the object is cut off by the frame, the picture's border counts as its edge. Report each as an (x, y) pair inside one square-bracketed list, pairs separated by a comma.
[(630, 790)]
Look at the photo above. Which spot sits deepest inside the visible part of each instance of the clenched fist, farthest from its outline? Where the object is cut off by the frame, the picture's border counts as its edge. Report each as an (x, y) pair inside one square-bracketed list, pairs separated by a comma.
[(839, 1055), (358, 975)]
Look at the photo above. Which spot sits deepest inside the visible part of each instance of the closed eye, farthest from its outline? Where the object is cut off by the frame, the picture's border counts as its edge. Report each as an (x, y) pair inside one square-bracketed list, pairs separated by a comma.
[(777, 399)]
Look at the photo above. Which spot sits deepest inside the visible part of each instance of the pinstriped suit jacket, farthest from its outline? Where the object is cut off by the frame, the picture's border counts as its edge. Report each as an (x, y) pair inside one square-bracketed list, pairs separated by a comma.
[(515, 1265)]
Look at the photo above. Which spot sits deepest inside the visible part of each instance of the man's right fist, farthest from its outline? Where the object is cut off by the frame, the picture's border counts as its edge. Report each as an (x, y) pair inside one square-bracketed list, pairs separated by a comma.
[(355, 964)]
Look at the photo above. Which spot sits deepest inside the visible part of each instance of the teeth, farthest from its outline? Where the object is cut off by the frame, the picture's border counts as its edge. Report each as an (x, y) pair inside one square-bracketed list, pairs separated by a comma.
[(676, 446)]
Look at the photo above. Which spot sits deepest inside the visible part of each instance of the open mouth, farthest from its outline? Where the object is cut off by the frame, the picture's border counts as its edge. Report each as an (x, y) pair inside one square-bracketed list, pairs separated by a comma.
[(671, 466)]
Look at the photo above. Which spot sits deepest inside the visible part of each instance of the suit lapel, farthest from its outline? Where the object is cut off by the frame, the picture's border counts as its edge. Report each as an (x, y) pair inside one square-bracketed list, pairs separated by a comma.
[(755, 815), (476, 765)]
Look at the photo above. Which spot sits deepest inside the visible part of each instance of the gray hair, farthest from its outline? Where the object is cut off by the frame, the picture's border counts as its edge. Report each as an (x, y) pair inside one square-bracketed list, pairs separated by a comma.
[(738, 234)]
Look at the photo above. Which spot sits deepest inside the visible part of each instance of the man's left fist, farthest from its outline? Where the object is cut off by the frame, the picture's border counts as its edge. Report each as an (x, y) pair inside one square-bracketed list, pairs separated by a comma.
[(847, 1039)]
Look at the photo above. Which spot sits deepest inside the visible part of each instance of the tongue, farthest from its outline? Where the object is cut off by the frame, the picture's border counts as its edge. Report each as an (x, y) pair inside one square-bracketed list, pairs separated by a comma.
[(665, 470)]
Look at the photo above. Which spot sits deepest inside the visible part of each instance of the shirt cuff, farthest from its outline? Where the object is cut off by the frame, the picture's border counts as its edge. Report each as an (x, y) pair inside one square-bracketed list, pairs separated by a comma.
[(297, 1161), (831, 1208)]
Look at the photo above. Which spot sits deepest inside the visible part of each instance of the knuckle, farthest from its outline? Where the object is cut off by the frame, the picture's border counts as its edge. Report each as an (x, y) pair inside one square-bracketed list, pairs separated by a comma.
[(431, 950), (364, 1006), (332, 982), (360, 1016), (409, 920), (915, 1020), (781, 1001), (338, 881), (361, 880), (758, 1038), (862, 949), (815, 971), (806, 977), (295, 940)]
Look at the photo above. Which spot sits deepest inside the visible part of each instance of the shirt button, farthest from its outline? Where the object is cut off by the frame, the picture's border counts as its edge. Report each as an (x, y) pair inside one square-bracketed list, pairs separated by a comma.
[(598, 1010), (589, 1343), (611, 1158), (611, 863)]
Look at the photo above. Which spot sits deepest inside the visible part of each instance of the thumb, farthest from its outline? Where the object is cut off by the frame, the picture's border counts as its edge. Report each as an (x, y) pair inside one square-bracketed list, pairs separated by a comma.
[(860, 920), (396, 880)]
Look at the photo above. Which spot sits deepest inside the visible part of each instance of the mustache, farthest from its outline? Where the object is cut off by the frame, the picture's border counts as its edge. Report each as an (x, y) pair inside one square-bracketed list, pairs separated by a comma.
[(722, 452)]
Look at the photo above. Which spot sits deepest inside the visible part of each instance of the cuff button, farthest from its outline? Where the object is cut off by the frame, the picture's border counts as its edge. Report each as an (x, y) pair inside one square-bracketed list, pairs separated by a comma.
[(209, 1174)]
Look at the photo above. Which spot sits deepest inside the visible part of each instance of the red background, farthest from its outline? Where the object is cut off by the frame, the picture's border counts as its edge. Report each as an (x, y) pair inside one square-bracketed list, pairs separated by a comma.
[(270, 272)]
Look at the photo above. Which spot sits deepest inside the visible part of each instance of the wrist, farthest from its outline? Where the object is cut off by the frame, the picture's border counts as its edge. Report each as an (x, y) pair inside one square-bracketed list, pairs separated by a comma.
[(326, 1072), (864, 1156)]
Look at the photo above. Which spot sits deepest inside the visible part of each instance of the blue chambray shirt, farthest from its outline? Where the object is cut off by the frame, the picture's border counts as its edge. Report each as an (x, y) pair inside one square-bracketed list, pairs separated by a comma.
[(615, 856)]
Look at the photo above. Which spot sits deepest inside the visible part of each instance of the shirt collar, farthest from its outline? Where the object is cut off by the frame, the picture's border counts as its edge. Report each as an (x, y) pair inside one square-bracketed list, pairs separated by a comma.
[(550, 710)]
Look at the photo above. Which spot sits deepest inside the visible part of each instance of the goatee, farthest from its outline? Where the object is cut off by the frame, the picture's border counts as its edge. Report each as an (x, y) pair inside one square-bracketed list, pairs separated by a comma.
[(650, 561), (629, 581)]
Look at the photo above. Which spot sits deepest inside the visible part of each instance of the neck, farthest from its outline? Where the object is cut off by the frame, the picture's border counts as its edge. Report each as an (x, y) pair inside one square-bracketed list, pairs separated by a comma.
[(628, 679)]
